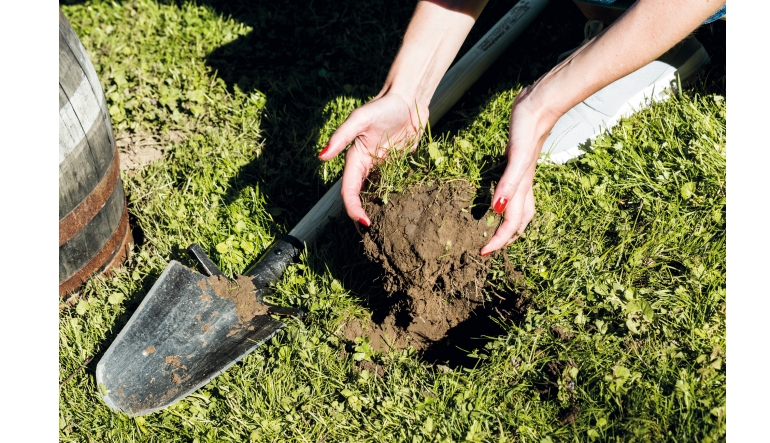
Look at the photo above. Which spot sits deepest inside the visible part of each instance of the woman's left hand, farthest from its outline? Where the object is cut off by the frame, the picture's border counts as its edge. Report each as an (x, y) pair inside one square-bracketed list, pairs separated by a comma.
[(513, 197)]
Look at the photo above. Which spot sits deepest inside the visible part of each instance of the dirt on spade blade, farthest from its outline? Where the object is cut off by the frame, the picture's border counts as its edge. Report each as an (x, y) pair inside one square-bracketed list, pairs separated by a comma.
[(427, 242), (241, 292)]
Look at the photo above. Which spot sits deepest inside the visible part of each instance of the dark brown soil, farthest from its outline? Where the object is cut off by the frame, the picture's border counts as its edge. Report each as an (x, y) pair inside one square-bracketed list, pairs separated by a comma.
[(569, 415), (548, 386), (427, 242), (372, 367), (562, 333)]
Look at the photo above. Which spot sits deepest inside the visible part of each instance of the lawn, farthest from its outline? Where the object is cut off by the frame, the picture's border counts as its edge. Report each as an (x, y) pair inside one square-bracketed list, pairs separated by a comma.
[(619, 334)]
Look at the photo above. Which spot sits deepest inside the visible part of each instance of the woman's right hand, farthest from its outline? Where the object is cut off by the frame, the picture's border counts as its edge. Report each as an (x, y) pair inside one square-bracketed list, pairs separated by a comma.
[(395, 118), (389, 121)]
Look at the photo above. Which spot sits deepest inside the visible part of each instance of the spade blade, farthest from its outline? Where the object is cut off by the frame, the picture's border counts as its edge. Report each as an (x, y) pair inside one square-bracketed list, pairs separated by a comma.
[(181, 336)]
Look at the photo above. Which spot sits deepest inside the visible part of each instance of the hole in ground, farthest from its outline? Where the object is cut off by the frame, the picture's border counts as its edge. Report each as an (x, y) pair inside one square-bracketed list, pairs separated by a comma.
[(452, 349), (483, 324)]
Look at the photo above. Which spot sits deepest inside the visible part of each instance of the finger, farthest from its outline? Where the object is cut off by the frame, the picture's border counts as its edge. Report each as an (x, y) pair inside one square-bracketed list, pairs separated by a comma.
[(511, 222), (516, 212), (357, 166), (515, 172), (352, 127), (529, 212)]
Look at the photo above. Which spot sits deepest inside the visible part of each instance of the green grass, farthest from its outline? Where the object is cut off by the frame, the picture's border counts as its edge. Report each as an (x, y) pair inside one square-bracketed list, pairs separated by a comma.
[(626, 254)]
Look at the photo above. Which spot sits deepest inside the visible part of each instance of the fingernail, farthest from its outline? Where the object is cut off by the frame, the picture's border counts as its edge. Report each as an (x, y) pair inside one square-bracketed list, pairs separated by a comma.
[(500, 205), (323, 151), (484, 254), (363, 222)]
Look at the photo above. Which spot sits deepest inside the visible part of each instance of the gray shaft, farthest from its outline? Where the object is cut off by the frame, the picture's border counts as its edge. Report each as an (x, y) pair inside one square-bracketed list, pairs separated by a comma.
[(453, 85)]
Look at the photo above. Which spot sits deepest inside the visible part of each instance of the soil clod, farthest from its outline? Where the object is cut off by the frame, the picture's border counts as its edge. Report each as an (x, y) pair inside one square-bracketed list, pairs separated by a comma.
[(569, 415), (427, 242), (174, 361), (372, 368), (562, 333)]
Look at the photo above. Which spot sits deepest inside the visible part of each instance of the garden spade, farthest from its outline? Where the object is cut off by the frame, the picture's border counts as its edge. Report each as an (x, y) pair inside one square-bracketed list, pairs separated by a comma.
[(187, 331), (184, 333)]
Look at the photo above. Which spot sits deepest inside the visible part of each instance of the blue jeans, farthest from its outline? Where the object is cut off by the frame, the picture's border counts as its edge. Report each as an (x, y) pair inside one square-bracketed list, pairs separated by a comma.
[(624, 4)]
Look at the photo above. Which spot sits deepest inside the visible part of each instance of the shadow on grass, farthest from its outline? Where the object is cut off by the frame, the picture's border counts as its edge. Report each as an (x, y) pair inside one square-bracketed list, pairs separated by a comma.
[(301, 56)]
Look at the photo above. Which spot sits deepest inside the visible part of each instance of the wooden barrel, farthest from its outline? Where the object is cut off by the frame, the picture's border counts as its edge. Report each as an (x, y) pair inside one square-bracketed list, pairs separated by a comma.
[(93, 219)]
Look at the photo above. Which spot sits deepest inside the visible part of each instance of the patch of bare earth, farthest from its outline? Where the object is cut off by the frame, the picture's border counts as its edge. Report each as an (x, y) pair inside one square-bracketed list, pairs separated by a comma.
[(138, 150)]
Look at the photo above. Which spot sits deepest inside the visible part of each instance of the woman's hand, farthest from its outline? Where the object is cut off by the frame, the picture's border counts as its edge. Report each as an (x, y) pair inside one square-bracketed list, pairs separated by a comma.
[(643, 33), (387, 122), (395, 118), (513, 197)]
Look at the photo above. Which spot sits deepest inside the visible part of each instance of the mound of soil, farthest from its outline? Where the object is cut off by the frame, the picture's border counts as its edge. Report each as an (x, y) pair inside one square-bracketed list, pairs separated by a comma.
[(427, 242)]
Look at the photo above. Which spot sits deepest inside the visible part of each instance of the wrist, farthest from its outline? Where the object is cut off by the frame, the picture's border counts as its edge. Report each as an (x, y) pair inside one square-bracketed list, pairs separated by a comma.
[(534, 102), (434, 35), (412, 96), (419, 96), (415, 83)]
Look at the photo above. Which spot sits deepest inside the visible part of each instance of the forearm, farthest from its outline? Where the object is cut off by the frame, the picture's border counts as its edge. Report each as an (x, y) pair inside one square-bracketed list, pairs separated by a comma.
[(647, 30), (432, 39)]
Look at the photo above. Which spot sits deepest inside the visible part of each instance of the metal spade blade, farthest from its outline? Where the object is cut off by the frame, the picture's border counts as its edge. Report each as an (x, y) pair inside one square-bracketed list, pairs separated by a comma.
[(181, 336)]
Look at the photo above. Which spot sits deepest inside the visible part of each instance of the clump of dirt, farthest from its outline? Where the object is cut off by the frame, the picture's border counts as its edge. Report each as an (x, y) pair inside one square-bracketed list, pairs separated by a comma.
[(562, 333), (557, 383), (569, 415), (427, 242), (384, 336), (548, 387), (241, 292), (371, 367), (174, 361)]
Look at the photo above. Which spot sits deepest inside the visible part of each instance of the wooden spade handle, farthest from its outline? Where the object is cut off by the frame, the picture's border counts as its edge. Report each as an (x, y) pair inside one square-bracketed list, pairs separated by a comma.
[(453, 85)]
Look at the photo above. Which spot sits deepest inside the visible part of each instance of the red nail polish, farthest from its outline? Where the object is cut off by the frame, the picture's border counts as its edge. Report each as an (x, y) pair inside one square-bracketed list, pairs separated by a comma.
[(363, 222), (323, 151), (500, 205), (484, 255)]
